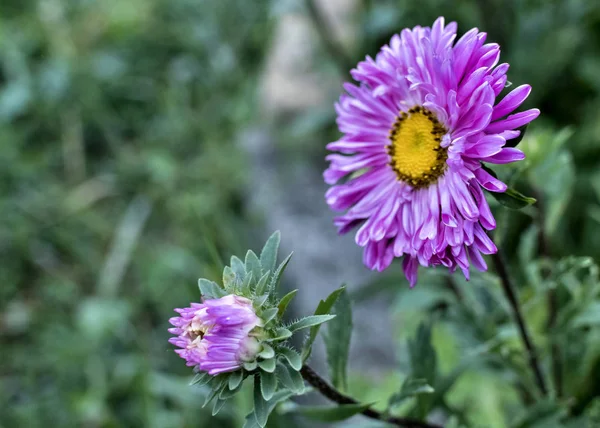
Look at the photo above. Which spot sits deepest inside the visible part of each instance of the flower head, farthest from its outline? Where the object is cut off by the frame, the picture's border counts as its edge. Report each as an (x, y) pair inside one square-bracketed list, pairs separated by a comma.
[(416, 129), (216, 336)]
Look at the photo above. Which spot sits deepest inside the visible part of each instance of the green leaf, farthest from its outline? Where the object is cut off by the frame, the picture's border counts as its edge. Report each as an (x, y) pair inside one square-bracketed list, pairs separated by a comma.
[(253, 265), (261, 408), (269, 314), (268, 384), (323, 308), (290, 378), (285, 301), (280, 334), (410, 387), (259, 301), (337, 341), (268, 255), (237, 266), (201, 379), (210, 289), (217, 387), (267, 365), (235, 379), (278, 273), (292, 357), (423, 361), (279, 396), (267, 352), (513, 199), (309, 321), (331, 413), (261, 287)]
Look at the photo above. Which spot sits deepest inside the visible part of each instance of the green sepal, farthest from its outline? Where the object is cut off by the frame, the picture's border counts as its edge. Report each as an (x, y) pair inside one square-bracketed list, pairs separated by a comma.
[(260, 300), (269, 315), (292, 357), (237, 266), (210, 289), (250, 365), (280, 334), (235, 379), (280, 395), (219, 403), (268, 255), (285, 301), (217, 387), (278, 273), (267, 365), (252, 264), (247, 283), (513, 199), (290, 378), (228, 278), (268, 384), (261, 287), (309, 321), (201, 379), (267, 351)]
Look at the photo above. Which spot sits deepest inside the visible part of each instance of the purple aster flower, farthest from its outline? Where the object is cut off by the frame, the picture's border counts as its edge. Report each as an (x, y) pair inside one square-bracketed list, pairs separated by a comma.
[(416, 130), (216, 336)]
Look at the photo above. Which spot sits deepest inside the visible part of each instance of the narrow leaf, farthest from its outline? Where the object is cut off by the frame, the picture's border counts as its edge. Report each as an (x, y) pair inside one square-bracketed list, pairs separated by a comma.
[(279, 396), (259, 301), (210, 290), (513, 199), (337, 341), (252, 265), (279, 272), (410, 387), (292, 357), (310, 321), (261, 408), (268, 384), (323, 308), (268, 255), (285, 301), (331, 413)]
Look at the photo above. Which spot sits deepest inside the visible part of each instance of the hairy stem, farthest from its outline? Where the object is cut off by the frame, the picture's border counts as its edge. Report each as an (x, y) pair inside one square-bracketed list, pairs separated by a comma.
[(509, 291), (333, 394)]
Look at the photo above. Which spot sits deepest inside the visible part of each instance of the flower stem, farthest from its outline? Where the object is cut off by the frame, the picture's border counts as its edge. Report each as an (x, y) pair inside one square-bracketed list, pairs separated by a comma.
[(509, 291), (333, 394)]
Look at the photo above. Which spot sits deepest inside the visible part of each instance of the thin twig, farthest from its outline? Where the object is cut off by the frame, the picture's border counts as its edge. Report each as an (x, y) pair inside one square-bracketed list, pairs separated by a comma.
[(509, 291), (336, 51), (333, 394)]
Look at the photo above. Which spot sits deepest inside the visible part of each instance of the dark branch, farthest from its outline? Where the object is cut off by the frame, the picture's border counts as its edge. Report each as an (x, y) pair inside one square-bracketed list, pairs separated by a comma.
[(333, 394), (509, 291)]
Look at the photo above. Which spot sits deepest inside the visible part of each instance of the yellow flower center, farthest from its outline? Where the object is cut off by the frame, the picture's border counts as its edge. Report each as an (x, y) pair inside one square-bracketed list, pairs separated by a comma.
[(415, 151)]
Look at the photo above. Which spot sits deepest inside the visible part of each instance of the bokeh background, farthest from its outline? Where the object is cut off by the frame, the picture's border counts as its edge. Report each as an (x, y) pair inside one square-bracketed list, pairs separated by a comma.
[(143, 142)]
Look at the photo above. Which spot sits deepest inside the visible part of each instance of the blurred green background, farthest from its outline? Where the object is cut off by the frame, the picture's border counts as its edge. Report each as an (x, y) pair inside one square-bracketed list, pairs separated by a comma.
[(123, 180)]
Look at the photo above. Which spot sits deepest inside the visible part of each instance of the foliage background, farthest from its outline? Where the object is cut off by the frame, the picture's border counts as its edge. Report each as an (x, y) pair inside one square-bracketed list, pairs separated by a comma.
[(122, 181)]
